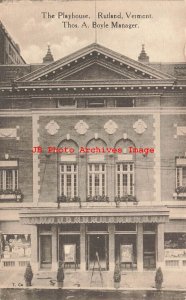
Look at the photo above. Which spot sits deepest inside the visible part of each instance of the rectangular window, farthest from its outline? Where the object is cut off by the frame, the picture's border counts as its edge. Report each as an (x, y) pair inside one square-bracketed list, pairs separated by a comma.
[(8, 179), (96, 180), (95, 103), (68, 180), (125, 179), (67, 102), (181, 176), (125, 102)]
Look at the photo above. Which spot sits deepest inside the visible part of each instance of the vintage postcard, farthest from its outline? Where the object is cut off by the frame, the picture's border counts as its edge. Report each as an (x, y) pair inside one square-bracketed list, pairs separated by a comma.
[(93, 149)]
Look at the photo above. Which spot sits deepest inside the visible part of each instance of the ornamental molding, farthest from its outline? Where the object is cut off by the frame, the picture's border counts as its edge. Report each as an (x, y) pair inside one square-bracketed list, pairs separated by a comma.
[(10, 133), (139, 126), (52, 127), (181, 130), (81, 127), (110, 127), (93, 219)]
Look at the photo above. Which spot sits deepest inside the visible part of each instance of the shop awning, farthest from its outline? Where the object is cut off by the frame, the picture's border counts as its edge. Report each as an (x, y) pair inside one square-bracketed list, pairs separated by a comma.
[(152, 214)]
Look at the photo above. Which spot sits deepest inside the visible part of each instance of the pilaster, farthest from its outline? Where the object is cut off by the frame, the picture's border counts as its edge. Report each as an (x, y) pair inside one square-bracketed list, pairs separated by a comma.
[(54, 248), (140, 247), (157, 161), (35, 139), (34, 248), (160, 245), (111, 229), (82, 247)]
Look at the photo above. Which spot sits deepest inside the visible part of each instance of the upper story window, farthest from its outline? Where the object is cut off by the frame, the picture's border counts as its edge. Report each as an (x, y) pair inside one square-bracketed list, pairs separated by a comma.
[(95, 103), (125, 179), (125, 102), (125, 172), (68, 180), (181, 176), (97, 179), (66, 102), (8, 175)]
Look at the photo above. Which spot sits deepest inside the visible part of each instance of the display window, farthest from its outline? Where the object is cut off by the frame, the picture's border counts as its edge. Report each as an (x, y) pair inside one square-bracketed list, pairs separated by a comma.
[(16, 246), (175, 245)]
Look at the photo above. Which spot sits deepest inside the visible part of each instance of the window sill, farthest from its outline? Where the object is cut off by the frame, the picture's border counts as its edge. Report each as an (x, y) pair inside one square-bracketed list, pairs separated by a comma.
[(180, 196), (11, 197)]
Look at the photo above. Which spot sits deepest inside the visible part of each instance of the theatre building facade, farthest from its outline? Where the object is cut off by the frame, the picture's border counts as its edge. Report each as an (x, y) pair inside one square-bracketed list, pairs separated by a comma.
[(93, 162)]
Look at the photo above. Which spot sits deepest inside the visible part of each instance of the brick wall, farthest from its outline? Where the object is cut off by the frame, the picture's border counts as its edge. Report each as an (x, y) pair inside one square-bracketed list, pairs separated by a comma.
[(144, 165), (19, 149)]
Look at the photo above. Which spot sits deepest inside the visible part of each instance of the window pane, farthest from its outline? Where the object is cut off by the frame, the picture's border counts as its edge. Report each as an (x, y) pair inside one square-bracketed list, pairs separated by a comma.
[(68, 185), (124, 167), (16, 179), (62, 184), (9, 179), (1, 179), (118, 181), (90, 185), (75, 185), (97, 181), (184, 177), (103, 184), (68, 168), (125, 179), (124, 184), (68, 180), (96, 167)]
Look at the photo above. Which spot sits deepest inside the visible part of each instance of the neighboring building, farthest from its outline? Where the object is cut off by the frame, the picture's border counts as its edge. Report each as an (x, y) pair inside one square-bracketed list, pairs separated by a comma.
[(69, 205), (9, 50)]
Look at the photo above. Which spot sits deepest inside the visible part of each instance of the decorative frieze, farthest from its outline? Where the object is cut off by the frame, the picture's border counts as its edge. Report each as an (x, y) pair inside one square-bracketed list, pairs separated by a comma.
[(93, 219)]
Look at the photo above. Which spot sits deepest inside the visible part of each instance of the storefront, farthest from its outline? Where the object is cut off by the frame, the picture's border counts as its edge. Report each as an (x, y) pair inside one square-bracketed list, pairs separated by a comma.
[(86, 239)]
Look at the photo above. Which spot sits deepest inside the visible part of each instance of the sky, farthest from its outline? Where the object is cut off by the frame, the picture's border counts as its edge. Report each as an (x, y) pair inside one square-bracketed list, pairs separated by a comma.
[(164, 34)]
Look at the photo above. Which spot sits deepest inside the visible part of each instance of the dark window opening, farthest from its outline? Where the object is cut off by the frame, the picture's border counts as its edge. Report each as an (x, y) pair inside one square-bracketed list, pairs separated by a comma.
[(125, 102), (125, 227), (69, 227), (66, 102), (97, 227), (95, 103), (148, 227)]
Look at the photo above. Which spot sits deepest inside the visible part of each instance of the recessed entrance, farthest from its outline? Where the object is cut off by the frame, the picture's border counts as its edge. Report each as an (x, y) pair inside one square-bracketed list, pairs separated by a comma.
[(97, 243), (46, 251), (149, 255)]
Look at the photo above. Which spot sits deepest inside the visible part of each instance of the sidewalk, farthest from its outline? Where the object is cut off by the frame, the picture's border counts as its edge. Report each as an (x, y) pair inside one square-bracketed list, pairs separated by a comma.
[(82, 280)]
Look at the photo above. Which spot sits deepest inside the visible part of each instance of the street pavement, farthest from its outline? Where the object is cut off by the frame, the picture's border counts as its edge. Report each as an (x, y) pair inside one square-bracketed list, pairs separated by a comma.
[(173, 280)]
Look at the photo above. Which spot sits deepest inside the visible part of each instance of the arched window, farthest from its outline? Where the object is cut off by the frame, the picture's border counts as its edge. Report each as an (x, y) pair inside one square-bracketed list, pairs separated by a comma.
[(97, 169), (68, 169), (125, 170)]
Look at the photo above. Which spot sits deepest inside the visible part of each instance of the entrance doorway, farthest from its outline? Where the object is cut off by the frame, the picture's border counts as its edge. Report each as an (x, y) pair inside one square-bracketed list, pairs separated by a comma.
[(97, 243), (46, 251), (149, 254)]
